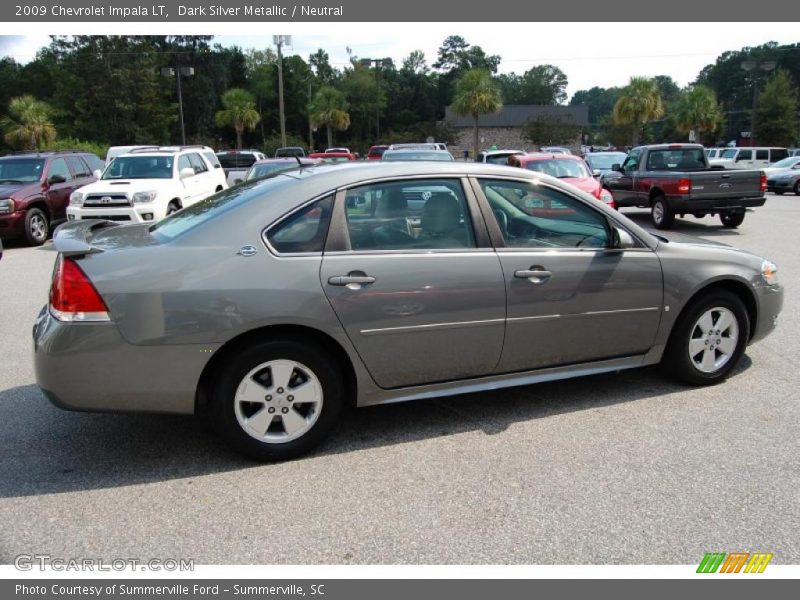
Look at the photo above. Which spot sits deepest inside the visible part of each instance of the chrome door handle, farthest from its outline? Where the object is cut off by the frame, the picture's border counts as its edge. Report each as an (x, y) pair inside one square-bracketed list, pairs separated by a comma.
[(351, 280), (533, 275)]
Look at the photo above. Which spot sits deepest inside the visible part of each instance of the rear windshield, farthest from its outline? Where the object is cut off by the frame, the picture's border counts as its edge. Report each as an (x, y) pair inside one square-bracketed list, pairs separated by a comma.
[(236, 160), (676, 159), (214, 206), (268, 168), (377, 151), (563, 169), (20, 170)]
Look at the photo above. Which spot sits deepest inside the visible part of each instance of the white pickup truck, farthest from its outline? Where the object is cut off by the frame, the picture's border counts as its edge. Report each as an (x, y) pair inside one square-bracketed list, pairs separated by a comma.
[(148, 184)]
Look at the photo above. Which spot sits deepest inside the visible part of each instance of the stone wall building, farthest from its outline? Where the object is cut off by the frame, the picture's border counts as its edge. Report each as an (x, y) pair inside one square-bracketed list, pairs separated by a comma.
[(504, 129)]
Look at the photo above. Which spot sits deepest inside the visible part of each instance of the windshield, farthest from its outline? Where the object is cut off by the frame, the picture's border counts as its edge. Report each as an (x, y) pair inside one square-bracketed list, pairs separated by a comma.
[(418, 155), (605, 161), (729, 153), (267, 168), (676, 159), (140, 167), (20, 170), (562, 169), (787, 163)]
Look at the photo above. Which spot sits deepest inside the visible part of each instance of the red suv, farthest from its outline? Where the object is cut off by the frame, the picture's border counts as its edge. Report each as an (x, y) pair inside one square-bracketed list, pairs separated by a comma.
[(35, 189)]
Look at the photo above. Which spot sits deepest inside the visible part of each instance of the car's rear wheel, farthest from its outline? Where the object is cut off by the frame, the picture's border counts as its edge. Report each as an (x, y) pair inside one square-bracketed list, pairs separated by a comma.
[(37, 227), (661, 213), (277, 400), (708, 339), (731, 220)]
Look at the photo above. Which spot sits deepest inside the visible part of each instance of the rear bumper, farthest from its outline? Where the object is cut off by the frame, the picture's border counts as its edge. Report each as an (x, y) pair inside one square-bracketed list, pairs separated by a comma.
[(12, 225), (683, 204), (90, 367)]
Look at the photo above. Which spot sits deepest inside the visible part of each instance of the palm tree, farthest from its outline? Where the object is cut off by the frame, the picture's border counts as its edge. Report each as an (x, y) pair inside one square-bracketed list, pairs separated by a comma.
[(329, 109), (28, 123), (476, 94), (698, 111), (239, 112), (639, 104)]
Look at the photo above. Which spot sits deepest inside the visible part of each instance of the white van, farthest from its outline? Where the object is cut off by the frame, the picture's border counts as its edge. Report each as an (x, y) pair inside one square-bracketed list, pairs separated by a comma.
[(749, 158)]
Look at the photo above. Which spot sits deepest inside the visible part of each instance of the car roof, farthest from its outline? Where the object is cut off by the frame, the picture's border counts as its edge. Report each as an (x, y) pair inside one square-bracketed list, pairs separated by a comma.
[(536, 156), (286, 159), (44, 153)]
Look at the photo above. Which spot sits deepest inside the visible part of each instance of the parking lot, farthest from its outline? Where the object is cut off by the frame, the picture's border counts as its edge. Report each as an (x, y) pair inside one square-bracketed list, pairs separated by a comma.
[(619, 468)]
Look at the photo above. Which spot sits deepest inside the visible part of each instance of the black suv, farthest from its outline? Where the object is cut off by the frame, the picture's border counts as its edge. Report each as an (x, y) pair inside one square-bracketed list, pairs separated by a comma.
[(35, 189)]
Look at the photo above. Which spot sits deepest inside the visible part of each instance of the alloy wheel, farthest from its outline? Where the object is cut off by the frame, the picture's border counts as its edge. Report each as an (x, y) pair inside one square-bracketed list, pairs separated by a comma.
[(713, 340)]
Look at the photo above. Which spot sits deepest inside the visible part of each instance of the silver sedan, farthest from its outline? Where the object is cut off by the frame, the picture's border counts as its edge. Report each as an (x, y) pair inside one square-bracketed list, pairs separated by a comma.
[(271, 306)]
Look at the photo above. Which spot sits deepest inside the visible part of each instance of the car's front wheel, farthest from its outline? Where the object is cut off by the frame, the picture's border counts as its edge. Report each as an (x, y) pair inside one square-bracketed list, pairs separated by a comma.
[(37, 228), (708, 339), (277, 400)]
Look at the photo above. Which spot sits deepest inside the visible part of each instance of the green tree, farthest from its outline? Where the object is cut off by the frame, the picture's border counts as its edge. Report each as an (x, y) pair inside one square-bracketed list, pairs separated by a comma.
[(551, 132), (365, 96), (542, 84), (639, 104), (329, 110), (28, 125), (776, 112), (239, 112), (698, 111), (476, 94)]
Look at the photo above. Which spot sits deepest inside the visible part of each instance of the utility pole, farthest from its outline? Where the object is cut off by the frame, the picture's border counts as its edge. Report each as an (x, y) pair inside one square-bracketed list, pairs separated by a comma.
[(279, 41), (756, 66), (310, 127), (178, 71)]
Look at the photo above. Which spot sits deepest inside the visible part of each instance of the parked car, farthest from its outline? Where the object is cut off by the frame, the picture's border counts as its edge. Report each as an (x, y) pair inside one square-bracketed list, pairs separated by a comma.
[(339, 150), (406, 154), (555, 150), (290, 151), (333, 157), (794, 151), (567, 167), (785, 180), (376, 152), (115, 151), (787, 164), (748, 158), (419, 146), (601, 162), (676, 179), (270, 307), (146, 185), (236, 163), (270, 166), (35, 188), (496, 157)]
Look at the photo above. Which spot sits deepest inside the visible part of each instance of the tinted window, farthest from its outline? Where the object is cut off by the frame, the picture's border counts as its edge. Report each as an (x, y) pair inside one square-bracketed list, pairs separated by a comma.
[(197, 163), (59, 167), (409, 215), (675, 159), (534, 216), (265, 169), (304, 231), (94, 162), (236, 160), (762, 154), (78, 167), (20, 170), (744, 155), (778, 154)]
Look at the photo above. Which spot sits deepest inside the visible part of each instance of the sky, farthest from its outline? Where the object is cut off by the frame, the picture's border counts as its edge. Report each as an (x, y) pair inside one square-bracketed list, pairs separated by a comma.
[(591, 54)]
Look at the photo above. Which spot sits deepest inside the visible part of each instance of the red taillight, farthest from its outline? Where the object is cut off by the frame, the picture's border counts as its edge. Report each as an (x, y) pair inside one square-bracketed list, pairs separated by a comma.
[(72, 295), (763, 184), (684, 186)]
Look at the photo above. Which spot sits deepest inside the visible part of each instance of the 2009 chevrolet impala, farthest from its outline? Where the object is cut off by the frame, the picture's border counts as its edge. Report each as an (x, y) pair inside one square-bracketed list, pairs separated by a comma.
[(272, 305)]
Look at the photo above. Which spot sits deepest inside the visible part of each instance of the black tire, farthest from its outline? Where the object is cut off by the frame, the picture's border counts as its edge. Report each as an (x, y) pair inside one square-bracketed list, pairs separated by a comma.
[(173, 206), (37, 227), (779, 192), (797, 188), (676, 360), (223, 409), (731, 220), (661, 213)]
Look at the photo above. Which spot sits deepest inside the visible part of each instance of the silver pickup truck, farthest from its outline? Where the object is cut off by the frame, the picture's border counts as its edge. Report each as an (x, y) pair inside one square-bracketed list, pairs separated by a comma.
[(676, 179), (237, 163)]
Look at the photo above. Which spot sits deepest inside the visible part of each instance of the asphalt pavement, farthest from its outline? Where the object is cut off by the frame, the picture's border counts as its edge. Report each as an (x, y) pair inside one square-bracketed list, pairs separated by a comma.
[(621, 468)]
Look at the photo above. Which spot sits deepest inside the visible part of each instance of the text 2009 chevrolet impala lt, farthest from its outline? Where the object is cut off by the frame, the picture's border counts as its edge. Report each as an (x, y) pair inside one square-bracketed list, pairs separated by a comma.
[(272, 305)]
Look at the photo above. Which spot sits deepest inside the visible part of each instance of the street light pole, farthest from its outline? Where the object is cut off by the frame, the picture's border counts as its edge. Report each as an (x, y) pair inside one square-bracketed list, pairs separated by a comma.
[(279, 41), (178, 71), (755, 66), (376, 62)]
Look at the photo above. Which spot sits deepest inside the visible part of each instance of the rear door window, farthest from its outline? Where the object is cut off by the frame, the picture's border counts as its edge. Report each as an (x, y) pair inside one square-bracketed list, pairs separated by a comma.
[(762, 154), (197, 163)]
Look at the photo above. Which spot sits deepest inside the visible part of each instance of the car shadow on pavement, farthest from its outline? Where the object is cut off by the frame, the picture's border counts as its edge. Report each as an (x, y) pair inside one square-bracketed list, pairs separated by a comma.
[(45, 450), (688, 226)]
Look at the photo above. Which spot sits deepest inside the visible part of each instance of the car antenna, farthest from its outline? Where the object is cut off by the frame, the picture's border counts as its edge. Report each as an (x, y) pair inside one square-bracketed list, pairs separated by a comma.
[(297, 158)]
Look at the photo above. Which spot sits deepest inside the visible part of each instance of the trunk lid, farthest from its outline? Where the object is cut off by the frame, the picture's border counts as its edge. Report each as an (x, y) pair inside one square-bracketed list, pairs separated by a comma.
[(89, 236)]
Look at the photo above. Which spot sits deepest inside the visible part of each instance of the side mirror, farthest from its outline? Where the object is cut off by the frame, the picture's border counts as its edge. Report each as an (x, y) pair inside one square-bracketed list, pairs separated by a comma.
[(186, 172), (97, 174), (56, 179), (217, 166), (620, 239), (616, 167), (596, 173)]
